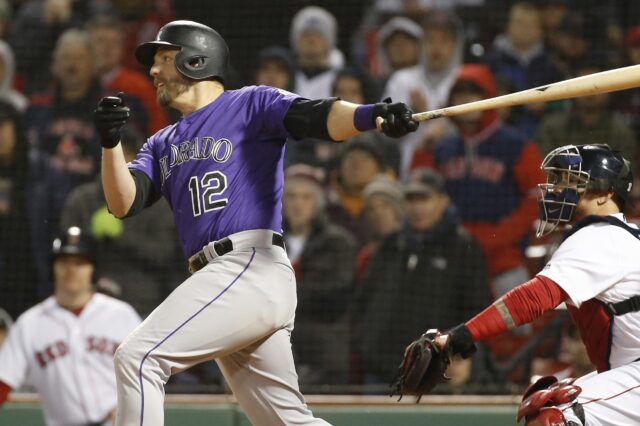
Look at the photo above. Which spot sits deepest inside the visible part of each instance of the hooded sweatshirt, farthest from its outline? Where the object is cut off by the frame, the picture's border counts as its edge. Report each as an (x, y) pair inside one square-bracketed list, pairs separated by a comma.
[(7, 93), (433, 85), (491, 174)]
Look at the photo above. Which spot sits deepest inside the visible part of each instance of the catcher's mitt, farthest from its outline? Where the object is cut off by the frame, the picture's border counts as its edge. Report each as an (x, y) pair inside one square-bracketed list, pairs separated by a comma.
[(424, 365)]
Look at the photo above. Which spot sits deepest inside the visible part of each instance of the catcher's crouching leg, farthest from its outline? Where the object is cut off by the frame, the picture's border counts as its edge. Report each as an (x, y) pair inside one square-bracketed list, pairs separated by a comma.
[(540, 402)]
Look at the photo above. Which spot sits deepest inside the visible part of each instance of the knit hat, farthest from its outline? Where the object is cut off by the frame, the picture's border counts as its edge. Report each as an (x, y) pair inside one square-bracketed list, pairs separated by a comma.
[(425, 182), (399, 24), (390, 190), (363, 143), (314, 18), (312, 176)]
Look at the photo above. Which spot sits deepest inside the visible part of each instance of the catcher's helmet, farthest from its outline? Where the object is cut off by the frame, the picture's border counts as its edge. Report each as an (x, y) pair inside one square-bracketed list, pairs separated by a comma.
[(574, 169), (203, 52), (73, 242)]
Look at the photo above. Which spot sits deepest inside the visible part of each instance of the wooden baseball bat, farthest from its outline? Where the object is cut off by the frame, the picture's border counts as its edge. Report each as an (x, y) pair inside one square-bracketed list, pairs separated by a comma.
[(592, 84)]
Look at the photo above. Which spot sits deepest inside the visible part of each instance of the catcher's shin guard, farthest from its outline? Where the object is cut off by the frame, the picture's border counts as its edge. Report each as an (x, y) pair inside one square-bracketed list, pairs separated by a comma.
[(540, 401), (548, 416)]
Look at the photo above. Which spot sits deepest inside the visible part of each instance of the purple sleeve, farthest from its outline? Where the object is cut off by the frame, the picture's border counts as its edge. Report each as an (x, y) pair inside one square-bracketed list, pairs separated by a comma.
[(147, 163), (273, 105)]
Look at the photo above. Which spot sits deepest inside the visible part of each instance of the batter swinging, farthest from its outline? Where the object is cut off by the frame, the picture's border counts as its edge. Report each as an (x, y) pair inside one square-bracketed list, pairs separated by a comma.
[(220, 168)]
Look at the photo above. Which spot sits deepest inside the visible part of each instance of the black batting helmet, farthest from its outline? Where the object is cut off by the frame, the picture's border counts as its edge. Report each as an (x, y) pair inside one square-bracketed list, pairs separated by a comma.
[(203, 52), (73, 242)]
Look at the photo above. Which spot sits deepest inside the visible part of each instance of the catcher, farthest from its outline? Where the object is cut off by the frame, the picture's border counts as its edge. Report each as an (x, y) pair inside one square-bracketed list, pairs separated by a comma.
[(595, 271)]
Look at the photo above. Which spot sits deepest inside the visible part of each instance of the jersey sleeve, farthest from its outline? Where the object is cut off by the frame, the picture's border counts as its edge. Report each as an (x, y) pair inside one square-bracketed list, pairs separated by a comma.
[(147, 162), (587, 263), (14, 363), (272, 105)]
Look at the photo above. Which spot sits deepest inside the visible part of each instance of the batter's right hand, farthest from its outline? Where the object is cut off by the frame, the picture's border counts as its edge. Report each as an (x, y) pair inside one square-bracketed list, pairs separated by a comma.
[(109, 117)]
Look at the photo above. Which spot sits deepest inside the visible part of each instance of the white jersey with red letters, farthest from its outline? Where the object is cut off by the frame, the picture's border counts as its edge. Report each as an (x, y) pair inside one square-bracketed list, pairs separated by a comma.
[(68, 357), (597, 265)]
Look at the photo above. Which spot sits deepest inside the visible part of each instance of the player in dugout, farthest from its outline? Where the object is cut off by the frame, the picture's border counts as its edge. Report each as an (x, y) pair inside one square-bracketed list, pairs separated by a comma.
[(64, 345), (220, 167), (595, 271)]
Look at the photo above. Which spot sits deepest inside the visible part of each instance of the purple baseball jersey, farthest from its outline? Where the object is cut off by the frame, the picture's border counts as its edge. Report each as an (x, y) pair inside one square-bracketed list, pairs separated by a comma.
[(221, 167)]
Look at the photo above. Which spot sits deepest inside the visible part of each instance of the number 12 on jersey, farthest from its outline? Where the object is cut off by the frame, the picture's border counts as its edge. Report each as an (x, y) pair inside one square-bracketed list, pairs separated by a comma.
[(205, 190)]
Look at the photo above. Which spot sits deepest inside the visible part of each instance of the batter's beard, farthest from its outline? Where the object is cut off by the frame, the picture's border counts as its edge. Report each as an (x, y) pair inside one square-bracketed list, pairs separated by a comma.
[(171, 90)]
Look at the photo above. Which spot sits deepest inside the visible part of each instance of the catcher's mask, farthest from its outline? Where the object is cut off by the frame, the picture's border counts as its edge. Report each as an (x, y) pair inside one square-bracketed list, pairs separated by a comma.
[(571, 171)]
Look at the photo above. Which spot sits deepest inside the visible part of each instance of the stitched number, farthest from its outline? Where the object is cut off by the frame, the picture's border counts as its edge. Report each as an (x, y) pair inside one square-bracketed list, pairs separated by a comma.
[(210, 185)]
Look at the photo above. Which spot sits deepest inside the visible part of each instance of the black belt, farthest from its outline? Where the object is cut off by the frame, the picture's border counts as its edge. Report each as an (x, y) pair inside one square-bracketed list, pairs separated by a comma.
[(632, 304), (222, 247)]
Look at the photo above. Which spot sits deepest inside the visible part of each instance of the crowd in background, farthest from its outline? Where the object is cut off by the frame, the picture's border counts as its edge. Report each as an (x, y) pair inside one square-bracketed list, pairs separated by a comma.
[(386, 237)]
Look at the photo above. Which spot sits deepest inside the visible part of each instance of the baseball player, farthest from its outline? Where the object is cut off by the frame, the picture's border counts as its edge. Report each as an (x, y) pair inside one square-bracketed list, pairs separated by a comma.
[(596, 272), (64, 345), (220, 169)]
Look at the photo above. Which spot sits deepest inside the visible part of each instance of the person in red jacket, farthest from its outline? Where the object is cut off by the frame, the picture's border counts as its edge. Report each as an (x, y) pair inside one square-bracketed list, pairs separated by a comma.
[(596, 273), (491, 174), (107, 39)]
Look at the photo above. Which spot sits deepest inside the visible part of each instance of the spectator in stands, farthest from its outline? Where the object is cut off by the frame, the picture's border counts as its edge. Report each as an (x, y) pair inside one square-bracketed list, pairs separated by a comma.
[(106, 34), (138, 254), (430, 271), (426, 86), (275, 68), (519, 55), (570, 44), (5, 325), (384, 211), (323, 257), (360, 162), (353, 84), (628, 101), (590, 118), (6, 13), (400, 46), (60, 120), (313, 39), (35, 30), (7, 73), (142, 19), (30, 203), (491, 173)]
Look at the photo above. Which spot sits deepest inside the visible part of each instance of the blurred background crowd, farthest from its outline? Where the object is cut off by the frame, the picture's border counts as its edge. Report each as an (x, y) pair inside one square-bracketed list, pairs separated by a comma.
[(386, 237)]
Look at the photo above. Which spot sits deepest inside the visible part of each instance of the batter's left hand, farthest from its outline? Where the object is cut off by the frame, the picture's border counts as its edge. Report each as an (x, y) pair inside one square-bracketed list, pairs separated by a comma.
[(397, 117)]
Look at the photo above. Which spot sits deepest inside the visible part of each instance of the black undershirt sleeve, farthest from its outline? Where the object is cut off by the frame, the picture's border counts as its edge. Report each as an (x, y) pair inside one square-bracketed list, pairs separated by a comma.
[(145, 193), (308, 118)]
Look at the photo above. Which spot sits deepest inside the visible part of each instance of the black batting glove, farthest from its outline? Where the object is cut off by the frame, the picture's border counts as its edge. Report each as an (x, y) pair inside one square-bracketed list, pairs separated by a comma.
[(397, 117), (109, 117)]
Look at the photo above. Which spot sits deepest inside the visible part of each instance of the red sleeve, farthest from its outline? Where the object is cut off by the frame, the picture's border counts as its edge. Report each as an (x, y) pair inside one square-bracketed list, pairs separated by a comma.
[(5, 390), (524, 303)]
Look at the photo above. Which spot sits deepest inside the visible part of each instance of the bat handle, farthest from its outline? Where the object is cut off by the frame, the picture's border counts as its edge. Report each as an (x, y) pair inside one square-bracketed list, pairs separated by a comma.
[(379, 121)]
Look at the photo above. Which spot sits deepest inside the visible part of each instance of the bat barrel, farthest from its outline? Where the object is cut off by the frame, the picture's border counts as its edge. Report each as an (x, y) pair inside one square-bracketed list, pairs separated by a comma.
[(592, 84)]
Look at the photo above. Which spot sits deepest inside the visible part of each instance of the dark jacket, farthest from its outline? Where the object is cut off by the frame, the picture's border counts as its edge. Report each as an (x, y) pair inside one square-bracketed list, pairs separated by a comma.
[(415, 282), (324, 274)]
